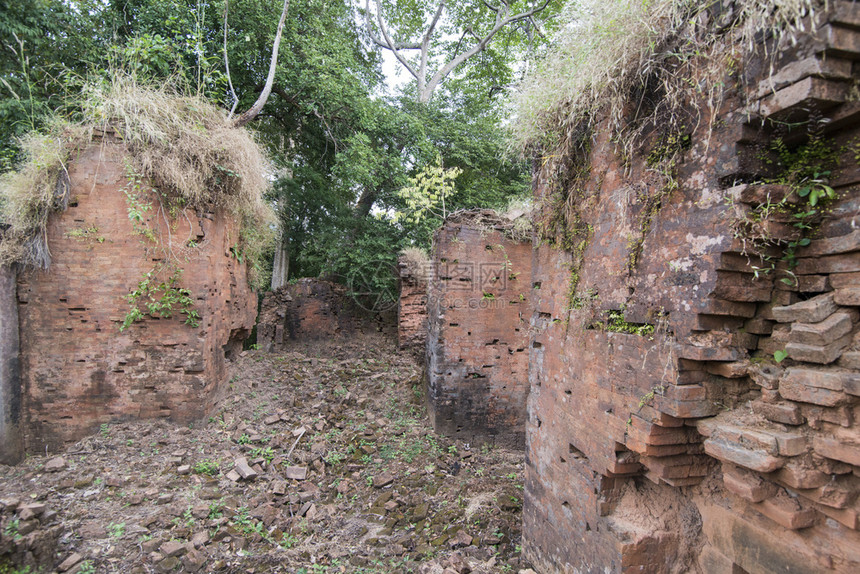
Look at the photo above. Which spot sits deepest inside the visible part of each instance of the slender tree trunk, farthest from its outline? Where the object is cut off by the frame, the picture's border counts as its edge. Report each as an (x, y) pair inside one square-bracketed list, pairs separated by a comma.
[(281, 269), (273, 64)]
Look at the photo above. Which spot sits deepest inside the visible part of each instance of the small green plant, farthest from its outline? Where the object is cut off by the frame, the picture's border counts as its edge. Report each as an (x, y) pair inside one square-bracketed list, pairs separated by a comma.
[(614, 322), (104, 430), (265, 453), (244, 439), (116, 530), (207, 466), (86, 234), (188, 517), (11, 530), (334, 458), (160, 298), (87, 567), (288, 540), (780, 355), (216, 510)]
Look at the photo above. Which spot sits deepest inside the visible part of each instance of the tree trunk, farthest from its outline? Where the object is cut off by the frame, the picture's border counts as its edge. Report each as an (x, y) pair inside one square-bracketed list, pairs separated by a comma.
[(282, 264)]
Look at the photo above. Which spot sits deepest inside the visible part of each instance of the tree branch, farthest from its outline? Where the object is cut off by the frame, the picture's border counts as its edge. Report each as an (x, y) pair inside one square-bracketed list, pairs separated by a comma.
[(433, 24), (390, 45), (227, 62), (378, 41), (264, 95), (424, 95)]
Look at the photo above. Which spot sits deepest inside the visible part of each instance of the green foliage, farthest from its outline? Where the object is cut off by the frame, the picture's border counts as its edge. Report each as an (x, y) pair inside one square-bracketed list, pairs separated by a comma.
[(160, 298), (427, 191), (463, 26), (614, 322), (11, 529), (266, 453), (805, 169), (116, 530), (341, 147), (208, 466)]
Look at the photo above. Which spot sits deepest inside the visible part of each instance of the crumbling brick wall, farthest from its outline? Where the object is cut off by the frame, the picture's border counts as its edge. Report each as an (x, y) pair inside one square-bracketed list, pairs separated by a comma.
[(412, 305), (78, 369), (627, 468), (478, 331), (314, 309)]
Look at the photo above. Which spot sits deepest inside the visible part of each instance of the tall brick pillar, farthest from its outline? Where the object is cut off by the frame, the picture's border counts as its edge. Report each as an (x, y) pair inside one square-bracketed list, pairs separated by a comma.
[(477, 351)]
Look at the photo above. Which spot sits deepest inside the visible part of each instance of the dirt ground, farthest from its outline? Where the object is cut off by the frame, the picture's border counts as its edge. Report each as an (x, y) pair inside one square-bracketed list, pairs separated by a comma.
[(318, 460)]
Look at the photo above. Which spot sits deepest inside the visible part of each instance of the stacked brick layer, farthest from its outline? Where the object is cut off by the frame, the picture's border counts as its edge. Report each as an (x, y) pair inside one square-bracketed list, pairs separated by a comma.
[(478, 334), (78, 369), (628, 469)]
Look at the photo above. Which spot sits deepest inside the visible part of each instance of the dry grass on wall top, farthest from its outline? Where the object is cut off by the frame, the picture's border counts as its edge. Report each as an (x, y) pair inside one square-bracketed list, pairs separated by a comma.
[(30, 194), (183, 146), (609, 56)]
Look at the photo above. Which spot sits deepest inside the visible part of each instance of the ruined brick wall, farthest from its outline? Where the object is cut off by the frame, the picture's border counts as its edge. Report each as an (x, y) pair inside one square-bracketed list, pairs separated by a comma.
[(478, 331), (412, 306), (627, 467), (78, 369), (314, 309)]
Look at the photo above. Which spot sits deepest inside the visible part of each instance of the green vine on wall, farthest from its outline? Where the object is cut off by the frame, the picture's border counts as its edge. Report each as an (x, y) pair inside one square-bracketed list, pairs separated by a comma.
[(663, 160), (158, 293), (806, 170), (160, 298)]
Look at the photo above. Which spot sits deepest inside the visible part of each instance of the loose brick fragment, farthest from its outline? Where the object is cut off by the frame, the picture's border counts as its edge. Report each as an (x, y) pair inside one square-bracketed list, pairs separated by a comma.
[(748, 485), (811, 386)]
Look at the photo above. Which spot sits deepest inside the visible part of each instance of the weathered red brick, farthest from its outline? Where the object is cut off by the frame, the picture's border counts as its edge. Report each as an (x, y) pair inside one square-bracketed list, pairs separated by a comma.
[(787, 512), (748, 485), (752, 459), (825, 332), (785, 413), (838, 449), (811, 386), (810, 311)]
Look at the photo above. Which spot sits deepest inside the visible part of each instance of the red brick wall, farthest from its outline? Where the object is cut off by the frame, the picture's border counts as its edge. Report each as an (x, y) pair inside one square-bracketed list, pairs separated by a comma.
[(78, 369), (478, 333), (314, 309), (412, 307), (627, 467)]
